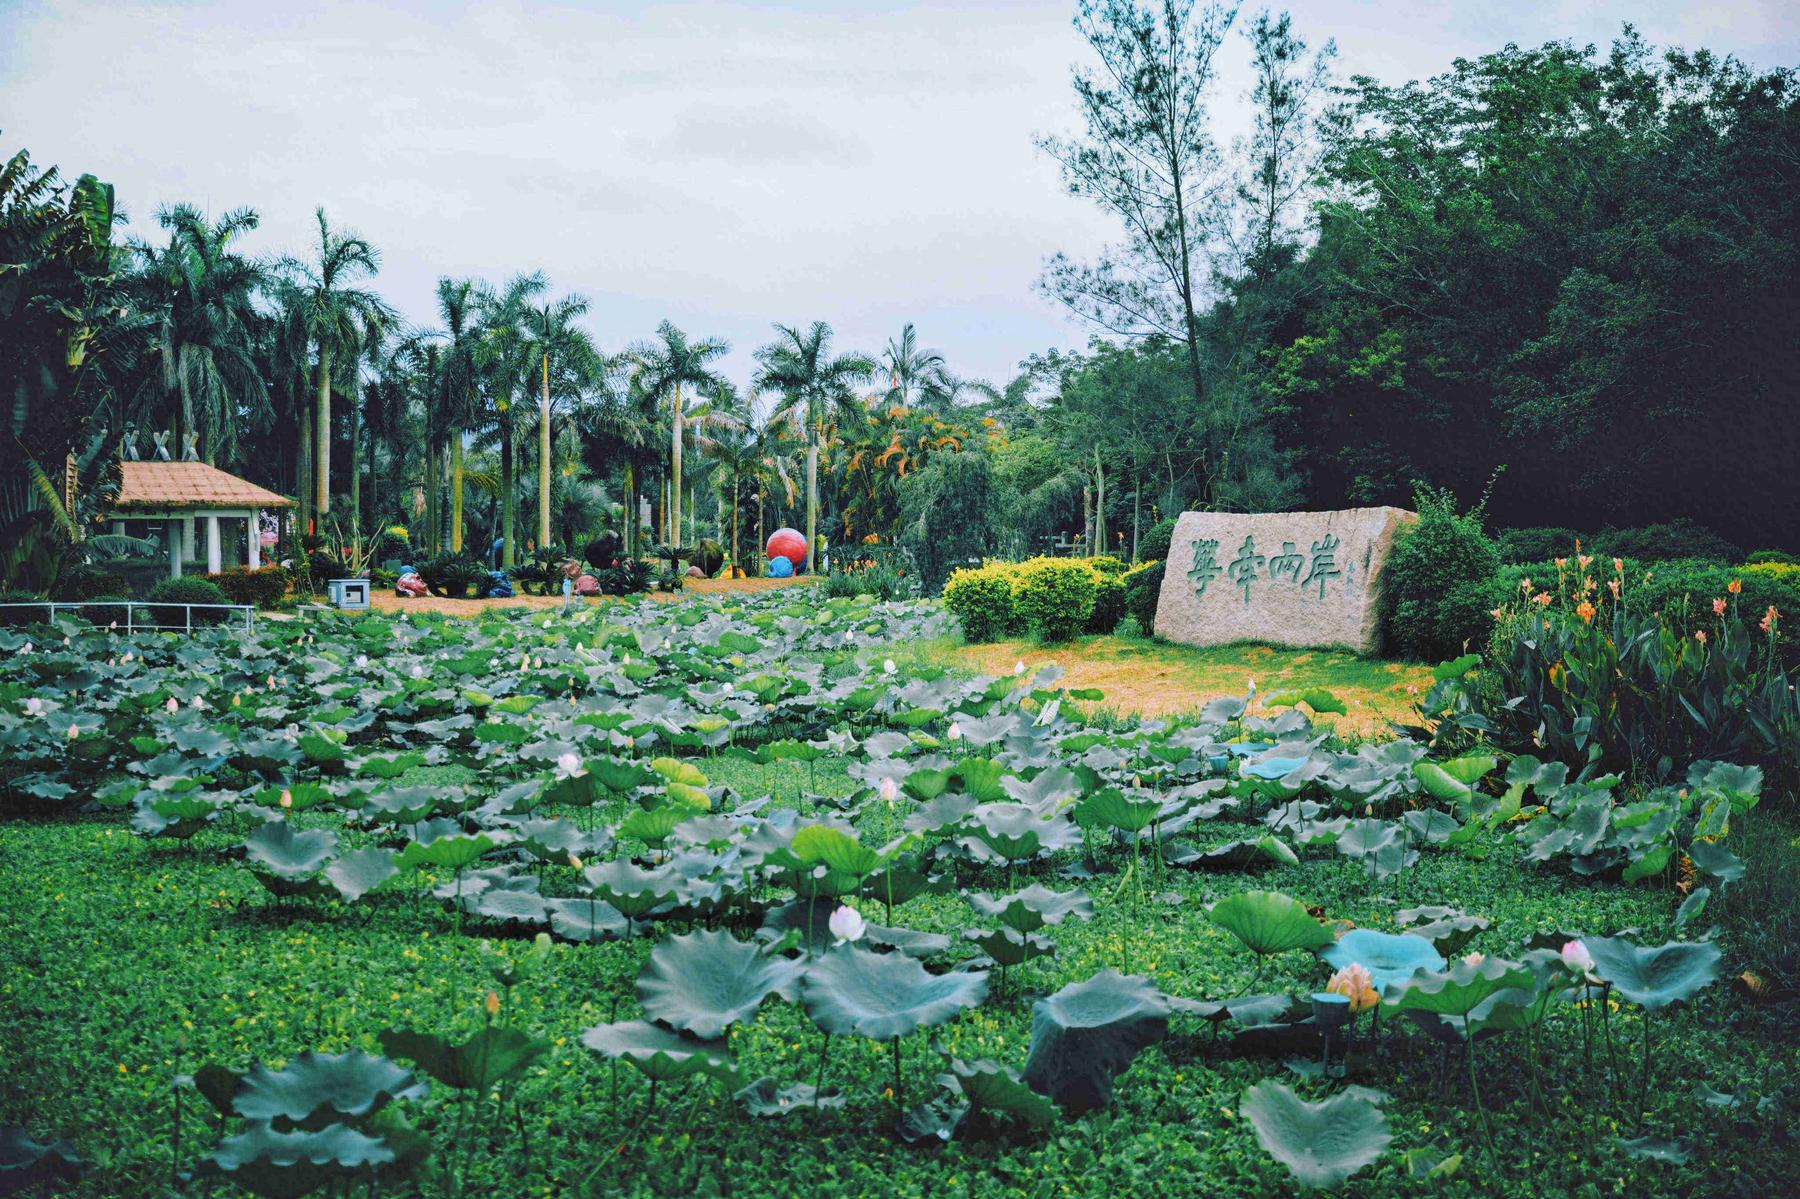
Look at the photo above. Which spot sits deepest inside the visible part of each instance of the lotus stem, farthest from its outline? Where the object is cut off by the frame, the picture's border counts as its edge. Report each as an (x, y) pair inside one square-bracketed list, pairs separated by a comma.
[(1487, 1131), (899, 1104), (819, 1081), (1644, 1080)]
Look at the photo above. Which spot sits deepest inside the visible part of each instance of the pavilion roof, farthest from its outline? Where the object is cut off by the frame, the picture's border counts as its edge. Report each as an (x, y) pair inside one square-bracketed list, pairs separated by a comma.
[(189, 485)]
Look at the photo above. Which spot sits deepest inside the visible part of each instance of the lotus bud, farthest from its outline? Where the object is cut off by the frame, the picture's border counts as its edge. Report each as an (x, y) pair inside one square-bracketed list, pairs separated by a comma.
[(887, 667), (172, 706), (1019, 667), (890, 790), (847, 925), (1576, 958), (1252, 688), (493, 1003), (575, 861), (1473, 959), (287, 798), (74, 732), (955, 731)]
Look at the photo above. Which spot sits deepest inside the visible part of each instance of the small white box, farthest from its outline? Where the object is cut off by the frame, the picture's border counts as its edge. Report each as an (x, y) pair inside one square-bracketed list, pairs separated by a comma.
[(349, 594)]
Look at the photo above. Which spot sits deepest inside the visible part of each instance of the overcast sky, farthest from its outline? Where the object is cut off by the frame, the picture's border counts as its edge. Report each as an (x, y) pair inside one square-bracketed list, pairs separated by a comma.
[(720, 165)]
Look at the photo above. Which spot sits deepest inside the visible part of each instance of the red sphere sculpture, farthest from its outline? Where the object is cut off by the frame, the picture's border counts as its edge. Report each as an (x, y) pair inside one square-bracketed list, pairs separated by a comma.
[(789, 544)]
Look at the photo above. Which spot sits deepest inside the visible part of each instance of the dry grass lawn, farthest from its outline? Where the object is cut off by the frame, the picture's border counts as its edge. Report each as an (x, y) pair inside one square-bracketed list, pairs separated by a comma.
[(387, 601), (1155, 678)]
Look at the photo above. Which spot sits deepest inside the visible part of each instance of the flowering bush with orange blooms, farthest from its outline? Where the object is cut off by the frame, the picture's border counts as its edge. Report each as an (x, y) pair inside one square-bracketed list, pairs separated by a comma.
[(1594, 668)]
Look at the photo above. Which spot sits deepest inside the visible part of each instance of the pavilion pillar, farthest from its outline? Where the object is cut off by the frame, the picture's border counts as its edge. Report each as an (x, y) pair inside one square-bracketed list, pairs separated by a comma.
[(172, 534), (187, 538), (214, 559), (118, 528), (252, 541)]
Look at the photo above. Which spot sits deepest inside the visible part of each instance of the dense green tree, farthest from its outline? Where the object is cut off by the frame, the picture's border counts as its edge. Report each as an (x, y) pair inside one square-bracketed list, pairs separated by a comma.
[(666, 364), (813, 386)]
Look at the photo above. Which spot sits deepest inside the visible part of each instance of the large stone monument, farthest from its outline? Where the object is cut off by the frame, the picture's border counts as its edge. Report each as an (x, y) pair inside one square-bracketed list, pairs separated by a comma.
[(1286, 578)]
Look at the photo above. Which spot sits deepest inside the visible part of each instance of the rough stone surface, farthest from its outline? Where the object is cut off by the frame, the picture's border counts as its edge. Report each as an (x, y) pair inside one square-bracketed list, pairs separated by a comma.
[(1287, 578)]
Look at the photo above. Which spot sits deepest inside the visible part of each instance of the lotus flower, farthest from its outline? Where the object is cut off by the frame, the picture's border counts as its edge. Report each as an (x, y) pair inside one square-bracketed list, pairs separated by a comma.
[(1019, 666), (1354, 983), (74, 732), (890, 790), (887, 667), (362, 661), (569, 766), (847, 925), (955, 731), (1576, 958), (34, 706)]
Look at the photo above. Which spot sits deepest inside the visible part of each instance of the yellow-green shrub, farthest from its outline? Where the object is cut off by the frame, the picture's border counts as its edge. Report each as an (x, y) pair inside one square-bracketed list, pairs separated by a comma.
[(1054, 597), (982, 600), (1109, 602)]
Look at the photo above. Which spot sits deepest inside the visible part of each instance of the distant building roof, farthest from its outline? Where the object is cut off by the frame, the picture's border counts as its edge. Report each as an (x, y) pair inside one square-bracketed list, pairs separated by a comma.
[(189, 485)]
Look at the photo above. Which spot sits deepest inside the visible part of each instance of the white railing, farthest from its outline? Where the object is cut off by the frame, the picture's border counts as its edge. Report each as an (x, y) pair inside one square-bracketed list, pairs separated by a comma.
[(139, 614)]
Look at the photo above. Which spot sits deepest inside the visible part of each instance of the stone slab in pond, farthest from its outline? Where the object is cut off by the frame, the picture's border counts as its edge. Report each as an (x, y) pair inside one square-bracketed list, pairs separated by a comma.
[(1299, 579)]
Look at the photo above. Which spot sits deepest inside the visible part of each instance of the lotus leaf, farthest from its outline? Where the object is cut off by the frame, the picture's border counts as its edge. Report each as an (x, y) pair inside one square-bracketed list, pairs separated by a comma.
[(316, 1089), (765, 1098), (1034, 907), (288, 855), (1654, 978), (1087, 1034), (1268, 922), (661, 1055), (880, 996), (1390, 959), (1321, 1144), (992, 1087), (494, 1055), (705, 981)]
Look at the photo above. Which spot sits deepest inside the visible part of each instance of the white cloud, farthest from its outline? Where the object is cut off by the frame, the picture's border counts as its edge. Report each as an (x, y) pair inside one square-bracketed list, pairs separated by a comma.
[(725, 165)]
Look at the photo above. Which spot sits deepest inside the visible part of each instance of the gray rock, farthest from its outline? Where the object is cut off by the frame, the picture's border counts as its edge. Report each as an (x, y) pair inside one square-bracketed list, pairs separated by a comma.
[(1300, 579)]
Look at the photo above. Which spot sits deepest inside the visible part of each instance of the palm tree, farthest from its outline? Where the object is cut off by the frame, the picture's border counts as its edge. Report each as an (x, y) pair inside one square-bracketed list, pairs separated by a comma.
[(506, 354), (619, 426), (813, 386), (202, 292), (459, 301), (913, 374), (665, 365), (336, 318), (555, 340)]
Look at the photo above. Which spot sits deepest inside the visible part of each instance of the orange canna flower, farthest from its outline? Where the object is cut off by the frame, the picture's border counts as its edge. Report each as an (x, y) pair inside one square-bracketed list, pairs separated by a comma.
[(1736, 586), (1700, 636), (1769, 618), (1718, 607), (1619, 565), (1586, 611), (1541, 599), (493, 1003), (1584, 560)]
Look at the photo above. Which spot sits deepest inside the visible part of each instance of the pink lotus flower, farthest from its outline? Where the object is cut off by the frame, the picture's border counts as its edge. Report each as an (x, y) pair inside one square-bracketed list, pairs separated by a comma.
[(1355, 984), (1576, 958), (847, 925)]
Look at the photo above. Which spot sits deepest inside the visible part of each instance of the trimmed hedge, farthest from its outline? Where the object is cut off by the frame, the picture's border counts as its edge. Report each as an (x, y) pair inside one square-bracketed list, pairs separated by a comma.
[(1437, 586), (982, 599), (1153, 546), (1109, 602), (264, 587), (187, 590), (1054, 597), (1677, 540), (89, 582), (1143, 586), (1536, 544)]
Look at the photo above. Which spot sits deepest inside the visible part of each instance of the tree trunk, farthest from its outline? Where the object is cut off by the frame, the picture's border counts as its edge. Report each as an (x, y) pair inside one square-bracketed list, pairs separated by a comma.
[(433, 538), (1137, 495), (1087, 514), (1099, 505), (544, 457), (355, 475), (675, 475), (812, 499), (456, 492), (734, 524), (322, 448), (303, 488), (631, 511), (509, 454)]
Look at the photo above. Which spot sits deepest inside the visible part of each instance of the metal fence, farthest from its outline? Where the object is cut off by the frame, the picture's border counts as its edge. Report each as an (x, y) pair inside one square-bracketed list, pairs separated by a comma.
[(138, 614)]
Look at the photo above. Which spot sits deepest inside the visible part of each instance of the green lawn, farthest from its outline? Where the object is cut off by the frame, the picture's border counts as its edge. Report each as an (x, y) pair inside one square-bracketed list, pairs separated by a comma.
[(124, 964)]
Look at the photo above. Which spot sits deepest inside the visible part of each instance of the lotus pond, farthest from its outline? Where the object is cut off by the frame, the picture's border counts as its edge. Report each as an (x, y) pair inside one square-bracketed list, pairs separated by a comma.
[(745, 896)]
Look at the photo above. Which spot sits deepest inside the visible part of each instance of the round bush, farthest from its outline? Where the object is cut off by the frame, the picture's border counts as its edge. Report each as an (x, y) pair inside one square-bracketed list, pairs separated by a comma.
[(1536, 544), (1054, 596), (1768, 557), (1109, 603), (1106, 564), (982, 600), (1678, 539), (1153, 546), (1441, 564), (187, 591), (87, 583), (1143, 587)]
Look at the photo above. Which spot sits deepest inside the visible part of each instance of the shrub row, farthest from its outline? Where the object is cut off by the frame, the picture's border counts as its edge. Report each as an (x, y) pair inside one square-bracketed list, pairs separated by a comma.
[(264, 587), (1668, 542), (1052, 598)]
